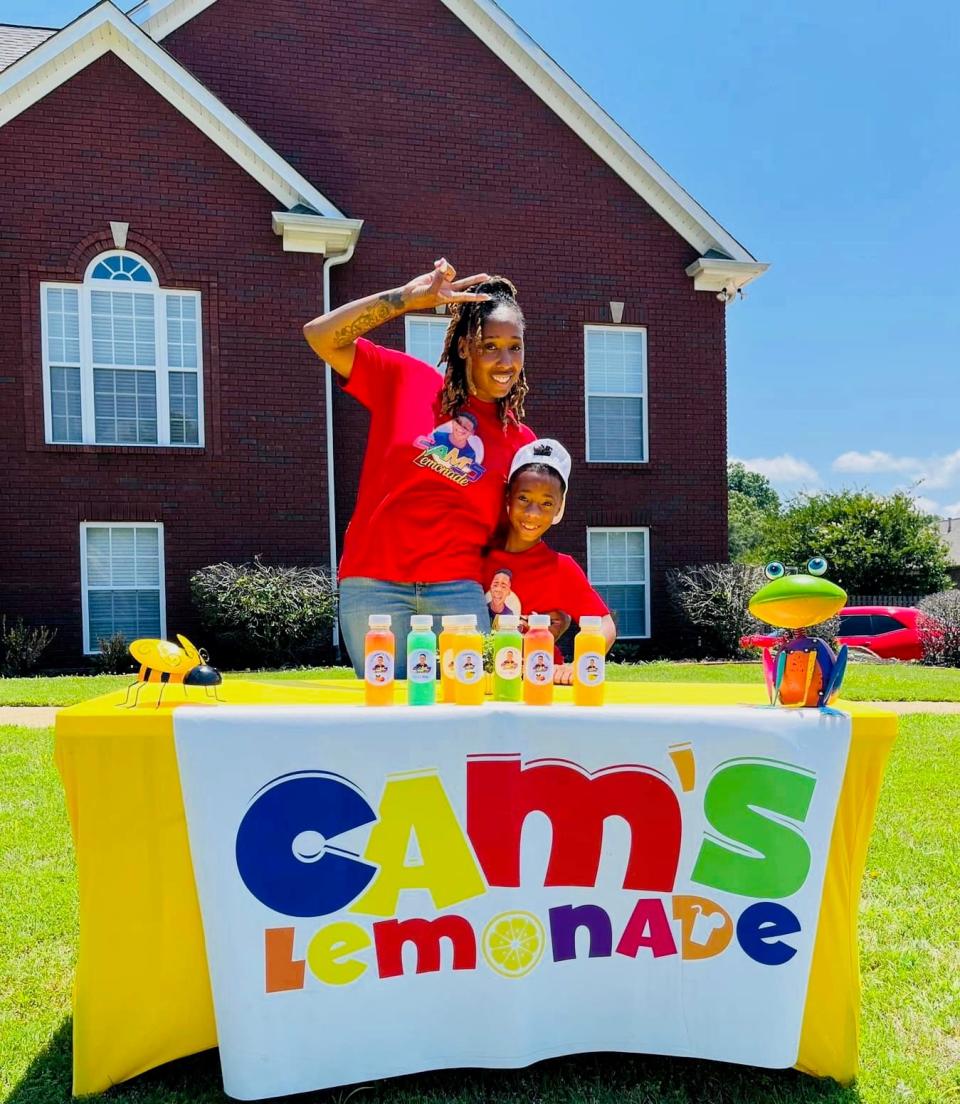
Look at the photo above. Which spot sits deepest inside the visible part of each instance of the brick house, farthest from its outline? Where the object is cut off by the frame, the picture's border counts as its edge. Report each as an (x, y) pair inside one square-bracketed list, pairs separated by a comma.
[(186, 185)]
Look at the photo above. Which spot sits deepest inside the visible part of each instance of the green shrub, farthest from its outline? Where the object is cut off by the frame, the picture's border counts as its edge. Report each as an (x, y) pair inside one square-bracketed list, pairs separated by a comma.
[(712, 599), (941, 637), (22, 646), (114, 656), (266, 615)]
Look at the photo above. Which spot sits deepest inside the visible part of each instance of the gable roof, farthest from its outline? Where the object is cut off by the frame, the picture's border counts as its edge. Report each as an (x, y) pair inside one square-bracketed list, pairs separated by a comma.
[(730, 262), (104, 28), (17, 41)]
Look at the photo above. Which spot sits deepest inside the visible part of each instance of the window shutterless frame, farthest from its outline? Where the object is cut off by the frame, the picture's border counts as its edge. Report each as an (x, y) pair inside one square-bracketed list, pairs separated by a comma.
[(626, 582), (161, 369), (642, 395), (88, 649), (436, 326)]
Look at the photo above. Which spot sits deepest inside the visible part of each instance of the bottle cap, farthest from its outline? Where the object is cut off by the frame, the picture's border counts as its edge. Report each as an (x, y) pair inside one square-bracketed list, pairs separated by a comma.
[(507, 622), (590, 623), (421, 622), (450, 620), (539, 620), (379, 620), (467, 621)]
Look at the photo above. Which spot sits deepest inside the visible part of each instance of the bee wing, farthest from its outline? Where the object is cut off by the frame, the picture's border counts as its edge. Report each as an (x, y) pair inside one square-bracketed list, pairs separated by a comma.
[(191, 652), (161, 655)]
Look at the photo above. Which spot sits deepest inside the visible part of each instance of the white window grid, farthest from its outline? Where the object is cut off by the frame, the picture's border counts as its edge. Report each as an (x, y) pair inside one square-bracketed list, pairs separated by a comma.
[(616, 394), (423, 337), (601, 583), (162, 369), (90, 647)]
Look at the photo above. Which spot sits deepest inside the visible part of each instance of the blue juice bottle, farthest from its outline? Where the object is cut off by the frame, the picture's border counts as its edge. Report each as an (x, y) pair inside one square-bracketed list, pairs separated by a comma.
[(421, 661), (507, 660)]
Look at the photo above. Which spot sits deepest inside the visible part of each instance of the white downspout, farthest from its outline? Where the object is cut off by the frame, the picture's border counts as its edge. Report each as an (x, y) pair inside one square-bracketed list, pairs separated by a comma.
[(339, 259)]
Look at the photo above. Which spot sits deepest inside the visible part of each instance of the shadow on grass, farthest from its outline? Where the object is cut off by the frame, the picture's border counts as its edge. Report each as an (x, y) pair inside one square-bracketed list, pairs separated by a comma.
[(582, 1079)]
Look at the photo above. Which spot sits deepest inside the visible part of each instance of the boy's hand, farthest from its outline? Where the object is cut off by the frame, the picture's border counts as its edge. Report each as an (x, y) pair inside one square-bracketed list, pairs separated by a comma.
[(563, 674)]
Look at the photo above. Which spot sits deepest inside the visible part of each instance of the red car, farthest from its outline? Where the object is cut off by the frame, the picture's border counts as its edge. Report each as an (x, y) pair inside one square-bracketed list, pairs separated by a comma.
[(890, 632)]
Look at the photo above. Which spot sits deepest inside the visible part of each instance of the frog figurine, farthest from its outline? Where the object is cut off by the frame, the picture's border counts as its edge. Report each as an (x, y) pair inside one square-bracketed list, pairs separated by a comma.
[(800, 670)]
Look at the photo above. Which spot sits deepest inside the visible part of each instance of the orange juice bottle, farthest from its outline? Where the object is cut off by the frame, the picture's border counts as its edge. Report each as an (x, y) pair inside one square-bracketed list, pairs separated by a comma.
[(378, 653), (469, 662), (589, 663), (447, 646), (538, 661)]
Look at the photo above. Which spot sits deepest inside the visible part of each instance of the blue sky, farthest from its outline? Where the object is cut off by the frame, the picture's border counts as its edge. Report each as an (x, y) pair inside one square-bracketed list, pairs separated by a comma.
[(823, 137)]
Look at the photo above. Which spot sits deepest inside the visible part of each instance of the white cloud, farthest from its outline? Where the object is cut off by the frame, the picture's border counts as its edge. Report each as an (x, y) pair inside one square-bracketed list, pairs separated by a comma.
[(951, 510), (782, 469), (932, 472), (927, 505)]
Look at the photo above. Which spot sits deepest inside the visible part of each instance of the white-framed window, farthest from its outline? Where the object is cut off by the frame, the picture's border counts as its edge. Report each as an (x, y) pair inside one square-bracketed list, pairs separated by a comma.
[(615, 385), (122, 581), (122, 358), (424, 336), (618, 566)]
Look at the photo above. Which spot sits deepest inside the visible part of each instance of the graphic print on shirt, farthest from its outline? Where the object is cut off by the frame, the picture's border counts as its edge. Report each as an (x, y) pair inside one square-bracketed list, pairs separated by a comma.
[(500, 597), (453, 450)]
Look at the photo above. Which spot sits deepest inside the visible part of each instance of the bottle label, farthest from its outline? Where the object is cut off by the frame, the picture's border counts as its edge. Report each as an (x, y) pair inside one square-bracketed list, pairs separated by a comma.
[(378, 668), (421, 665), (508, 662), (469, 667), (450, 663), (540, 667), (590, 669)]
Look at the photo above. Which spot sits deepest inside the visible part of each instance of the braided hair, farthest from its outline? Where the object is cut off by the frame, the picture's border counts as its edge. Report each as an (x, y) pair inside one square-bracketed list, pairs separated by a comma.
[(466, 321)]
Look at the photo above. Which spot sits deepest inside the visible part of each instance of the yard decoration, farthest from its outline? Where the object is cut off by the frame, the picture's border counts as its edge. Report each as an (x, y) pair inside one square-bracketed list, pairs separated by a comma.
[(800, 670), (164, 662)]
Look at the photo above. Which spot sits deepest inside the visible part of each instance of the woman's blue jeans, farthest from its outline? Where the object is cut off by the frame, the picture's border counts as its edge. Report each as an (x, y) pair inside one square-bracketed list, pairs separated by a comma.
[(359, 597)]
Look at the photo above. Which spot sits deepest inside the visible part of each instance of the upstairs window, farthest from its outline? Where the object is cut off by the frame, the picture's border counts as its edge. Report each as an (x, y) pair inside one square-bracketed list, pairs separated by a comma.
[(121, 358), (615, 369), (424, 338)]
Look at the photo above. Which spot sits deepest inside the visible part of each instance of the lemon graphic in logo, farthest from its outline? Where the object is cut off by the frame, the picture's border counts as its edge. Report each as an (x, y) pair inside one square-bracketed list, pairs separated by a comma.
[(513, 943)]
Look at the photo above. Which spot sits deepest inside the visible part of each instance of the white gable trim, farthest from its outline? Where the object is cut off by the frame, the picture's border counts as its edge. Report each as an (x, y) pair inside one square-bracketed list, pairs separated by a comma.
[(562, 94), (104, 29)]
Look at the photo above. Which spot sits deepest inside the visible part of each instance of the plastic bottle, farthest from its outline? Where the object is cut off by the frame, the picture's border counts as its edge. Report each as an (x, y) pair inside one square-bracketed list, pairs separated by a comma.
[(421, 661), (469, 662), (538, 661), (450, 628), (507, 659), (589, 663), (379, 649)]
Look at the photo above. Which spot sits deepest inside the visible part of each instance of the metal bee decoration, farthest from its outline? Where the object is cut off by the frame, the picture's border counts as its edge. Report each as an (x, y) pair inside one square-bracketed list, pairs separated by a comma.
[(165, 663), (800, 670)]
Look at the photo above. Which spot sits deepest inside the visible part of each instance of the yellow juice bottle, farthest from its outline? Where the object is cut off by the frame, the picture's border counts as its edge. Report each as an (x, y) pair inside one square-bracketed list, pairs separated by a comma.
[(469, 662), (589, 663), (538, 661), (446, 645), (379, 650)]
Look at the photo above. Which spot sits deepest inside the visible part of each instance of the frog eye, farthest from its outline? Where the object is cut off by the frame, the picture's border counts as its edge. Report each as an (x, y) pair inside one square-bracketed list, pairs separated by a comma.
[(775, 570), (817, 566)]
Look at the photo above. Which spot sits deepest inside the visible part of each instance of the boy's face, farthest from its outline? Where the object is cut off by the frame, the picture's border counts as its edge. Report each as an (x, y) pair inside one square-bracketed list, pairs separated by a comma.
[(533, 501)]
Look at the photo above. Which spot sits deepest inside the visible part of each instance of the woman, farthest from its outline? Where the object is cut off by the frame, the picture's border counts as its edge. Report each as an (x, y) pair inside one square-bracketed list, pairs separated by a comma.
[(438, 451)]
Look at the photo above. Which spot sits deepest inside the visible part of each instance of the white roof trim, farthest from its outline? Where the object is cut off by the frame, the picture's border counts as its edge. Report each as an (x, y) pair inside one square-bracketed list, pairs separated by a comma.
[(309, 234), (718, 274), (105, 28), (561, 93)]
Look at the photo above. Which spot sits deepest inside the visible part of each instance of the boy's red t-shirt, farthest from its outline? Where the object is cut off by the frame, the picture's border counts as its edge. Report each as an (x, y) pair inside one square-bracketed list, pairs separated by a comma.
[(542, 580), (431, 492)]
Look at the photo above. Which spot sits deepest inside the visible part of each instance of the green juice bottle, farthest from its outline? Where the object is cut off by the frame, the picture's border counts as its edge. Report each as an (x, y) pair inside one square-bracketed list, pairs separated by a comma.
[(421, 661), (507, 660)]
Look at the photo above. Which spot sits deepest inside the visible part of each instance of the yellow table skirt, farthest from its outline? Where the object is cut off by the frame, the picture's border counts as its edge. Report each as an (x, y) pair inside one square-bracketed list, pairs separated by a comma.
[(142, 994)]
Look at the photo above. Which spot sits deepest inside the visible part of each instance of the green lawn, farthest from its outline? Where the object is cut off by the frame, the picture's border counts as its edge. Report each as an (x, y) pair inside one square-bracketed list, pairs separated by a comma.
[(910, 918), (863, 682)]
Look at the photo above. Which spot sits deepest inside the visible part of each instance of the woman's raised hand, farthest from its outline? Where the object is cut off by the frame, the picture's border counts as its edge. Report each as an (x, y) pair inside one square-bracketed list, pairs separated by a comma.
[(441, 286)]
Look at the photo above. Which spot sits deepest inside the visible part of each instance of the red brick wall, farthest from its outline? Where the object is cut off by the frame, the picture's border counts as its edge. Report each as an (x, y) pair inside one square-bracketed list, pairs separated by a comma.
[(402, 118), (106, 147)]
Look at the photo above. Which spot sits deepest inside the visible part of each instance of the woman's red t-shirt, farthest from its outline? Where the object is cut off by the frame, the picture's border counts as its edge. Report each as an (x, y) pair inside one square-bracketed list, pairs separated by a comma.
[(431, 492)]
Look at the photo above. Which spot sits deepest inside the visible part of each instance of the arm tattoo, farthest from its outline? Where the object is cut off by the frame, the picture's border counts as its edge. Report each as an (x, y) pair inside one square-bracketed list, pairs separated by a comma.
[(386, 307)]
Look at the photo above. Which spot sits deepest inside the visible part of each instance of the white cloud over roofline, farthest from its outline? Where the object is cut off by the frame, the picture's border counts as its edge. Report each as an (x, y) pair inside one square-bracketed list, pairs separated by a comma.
[(784, 469)]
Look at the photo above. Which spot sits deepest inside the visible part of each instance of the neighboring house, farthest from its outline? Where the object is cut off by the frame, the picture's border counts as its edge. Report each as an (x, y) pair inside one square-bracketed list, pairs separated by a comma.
[(950, 531), (186, 185)]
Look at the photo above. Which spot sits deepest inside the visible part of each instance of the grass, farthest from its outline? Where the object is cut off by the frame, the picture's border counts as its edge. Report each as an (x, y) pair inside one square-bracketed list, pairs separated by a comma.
[(910, 917), (863, 682)]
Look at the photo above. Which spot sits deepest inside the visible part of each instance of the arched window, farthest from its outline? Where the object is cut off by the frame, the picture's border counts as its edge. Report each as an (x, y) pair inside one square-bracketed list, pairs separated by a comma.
[(121, 358)]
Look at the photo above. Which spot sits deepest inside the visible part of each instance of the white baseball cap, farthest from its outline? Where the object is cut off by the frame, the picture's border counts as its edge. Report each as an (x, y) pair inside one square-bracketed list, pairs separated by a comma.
[(551, 454)]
